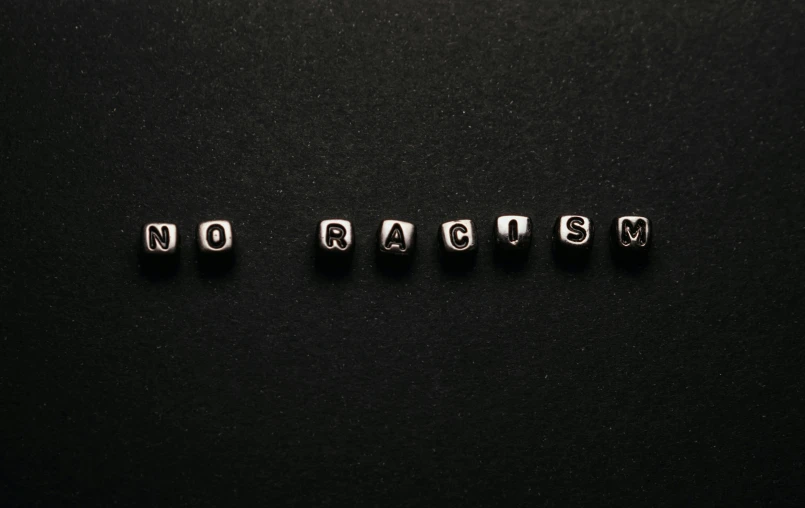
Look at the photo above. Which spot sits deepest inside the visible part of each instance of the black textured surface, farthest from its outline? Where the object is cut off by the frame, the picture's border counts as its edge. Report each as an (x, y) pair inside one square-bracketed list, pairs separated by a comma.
[(680, 383)]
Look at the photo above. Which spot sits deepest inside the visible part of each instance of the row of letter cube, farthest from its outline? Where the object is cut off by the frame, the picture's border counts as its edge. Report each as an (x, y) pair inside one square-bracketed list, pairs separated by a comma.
[(573, 236), (162, 239)]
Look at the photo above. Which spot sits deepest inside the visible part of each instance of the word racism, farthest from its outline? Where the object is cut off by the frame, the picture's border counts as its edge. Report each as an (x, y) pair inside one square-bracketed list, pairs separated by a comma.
[(630, 238)]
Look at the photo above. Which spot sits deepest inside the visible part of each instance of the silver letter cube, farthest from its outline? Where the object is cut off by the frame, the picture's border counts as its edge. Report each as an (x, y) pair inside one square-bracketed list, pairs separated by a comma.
[(160, 239), (334, 237), (631, 235), (335, 244), (573, 236), (458, 237), (513, 236), (215, 237), (397, 238)]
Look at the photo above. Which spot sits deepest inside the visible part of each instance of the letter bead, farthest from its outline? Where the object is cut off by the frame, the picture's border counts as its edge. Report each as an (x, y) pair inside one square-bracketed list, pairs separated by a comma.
[(160, 239), (631, 236), (513, 236), (573, 236), (396, 238), (335, 236), (335, 241), (458, 238), (215, 237)]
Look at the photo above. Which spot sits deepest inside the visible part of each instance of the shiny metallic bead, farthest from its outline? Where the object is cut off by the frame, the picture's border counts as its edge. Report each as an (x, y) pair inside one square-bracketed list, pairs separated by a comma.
[(396, 238), (573, 236), (458, 238), (215, 237), (334, 237), (160, 239), (631, 235), (513, 236), (335, 245)]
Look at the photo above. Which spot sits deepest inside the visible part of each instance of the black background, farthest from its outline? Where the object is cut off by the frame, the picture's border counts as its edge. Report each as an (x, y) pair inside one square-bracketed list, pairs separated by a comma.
[(678, 383)]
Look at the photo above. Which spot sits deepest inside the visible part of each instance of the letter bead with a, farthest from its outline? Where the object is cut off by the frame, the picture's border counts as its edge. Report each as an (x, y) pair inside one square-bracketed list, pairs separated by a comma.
[(397, 238)]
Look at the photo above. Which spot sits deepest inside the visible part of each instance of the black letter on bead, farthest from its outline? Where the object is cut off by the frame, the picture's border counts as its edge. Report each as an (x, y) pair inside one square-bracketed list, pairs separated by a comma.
[(155, 235), (220, 241), (395, 237), (574, 225), (628, 236), (336, 234), (514, 234), (462, 241)]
